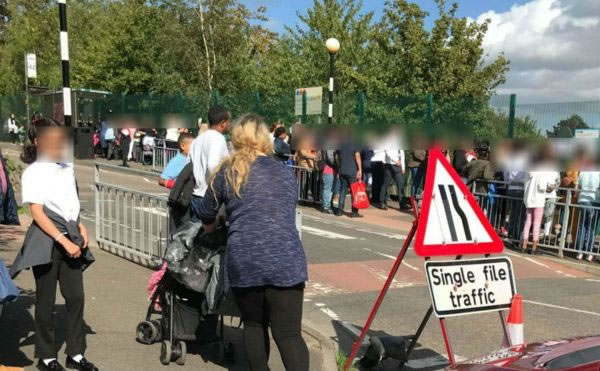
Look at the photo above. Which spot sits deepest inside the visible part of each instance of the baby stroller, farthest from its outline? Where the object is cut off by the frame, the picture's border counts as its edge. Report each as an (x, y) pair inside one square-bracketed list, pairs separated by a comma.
[(191, 297)]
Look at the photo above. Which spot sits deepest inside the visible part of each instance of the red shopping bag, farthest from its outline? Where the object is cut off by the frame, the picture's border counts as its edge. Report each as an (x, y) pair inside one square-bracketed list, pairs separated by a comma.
[(360, 199)]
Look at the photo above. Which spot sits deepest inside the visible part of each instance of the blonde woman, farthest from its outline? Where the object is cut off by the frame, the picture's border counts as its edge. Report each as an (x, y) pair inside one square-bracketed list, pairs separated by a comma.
[(265, 264)]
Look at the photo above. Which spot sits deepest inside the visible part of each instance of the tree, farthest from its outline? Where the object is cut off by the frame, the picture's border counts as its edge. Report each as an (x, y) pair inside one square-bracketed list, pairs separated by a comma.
[(344, 20), (447, 61), (495, 126), (566, 128)]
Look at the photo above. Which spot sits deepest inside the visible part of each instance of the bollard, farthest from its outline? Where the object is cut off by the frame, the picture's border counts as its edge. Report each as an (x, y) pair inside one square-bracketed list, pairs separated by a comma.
[(564, 225)]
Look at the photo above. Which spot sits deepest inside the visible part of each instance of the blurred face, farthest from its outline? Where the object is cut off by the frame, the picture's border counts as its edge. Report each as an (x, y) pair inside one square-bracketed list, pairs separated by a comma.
[(226, 126), (185, 146), (52, 144)]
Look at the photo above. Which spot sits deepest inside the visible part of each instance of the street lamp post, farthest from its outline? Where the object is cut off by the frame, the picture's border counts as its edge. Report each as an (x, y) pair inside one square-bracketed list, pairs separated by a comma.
[(333, 46)]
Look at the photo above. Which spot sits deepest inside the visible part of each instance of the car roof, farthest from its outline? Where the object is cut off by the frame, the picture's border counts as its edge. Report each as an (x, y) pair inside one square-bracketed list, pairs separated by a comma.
[(569, 347)]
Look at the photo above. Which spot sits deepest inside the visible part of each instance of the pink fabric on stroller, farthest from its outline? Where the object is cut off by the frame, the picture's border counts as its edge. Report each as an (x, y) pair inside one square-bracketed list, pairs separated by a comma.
[(155, 278)]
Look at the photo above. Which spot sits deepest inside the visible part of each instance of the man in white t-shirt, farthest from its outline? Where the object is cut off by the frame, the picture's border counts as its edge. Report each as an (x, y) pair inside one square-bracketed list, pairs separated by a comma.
[(208, 149)]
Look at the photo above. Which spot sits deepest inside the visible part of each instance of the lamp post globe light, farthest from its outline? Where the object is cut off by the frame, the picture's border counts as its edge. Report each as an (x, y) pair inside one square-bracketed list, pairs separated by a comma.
[(333, 46)]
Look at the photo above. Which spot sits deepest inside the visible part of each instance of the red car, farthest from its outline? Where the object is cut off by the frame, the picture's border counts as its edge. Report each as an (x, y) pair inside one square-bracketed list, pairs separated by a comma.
[(580, 354)]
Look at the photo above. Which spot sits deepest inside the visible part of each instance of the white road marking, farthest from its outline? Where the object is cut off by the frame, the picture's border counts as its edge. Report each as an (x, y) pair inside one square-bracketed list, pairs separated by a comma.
[(592, 280), (537, 262), (531, 260), (314, 289), (392, 258), (382, 276), (146, 179), (563, 308), (326, 234), (354, 227), (323, 308)]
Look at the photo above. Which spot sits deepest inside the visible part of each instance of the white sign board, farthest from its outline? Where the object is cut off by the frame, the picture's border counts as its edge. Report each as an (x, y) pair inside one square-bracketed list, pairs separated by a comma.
[(587, 133), (459, 287), (31, 66), (314, 100)]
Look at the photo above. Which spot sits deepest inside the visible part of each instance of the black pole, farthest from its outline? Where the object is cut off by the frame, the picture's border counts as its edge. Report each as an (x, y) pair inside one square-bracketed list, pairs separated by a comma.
[(331, 72), (64, 57)]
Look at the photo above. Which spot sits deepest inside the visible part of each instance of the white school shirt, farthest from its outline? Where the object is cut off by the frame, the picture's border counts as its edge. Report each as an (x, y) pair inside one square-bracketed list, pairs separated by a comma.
[(535, 189), (378, 155), (392, 156), (207, 151), (52, 185)]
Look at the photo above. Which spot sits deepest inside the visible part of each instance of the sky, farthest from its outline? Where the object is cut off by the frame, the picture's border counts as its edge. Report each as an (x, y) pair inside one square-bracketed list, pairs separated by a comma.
[(553, 45)]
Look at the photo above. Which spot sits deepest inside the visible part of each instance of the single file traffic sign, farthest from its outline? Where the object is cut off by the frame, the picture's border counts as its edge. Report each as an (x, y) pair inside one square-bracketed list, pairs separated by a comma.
[(459, 287), (450, 221)]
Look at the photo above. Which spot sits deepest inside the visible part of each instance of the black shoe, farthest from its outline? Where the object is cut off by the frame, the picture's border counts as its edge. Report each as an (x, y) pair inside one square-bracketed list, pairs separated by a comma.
[(356, 215), (83, 365), (338, 212), (380, 206), (326, 211), (52, 366)]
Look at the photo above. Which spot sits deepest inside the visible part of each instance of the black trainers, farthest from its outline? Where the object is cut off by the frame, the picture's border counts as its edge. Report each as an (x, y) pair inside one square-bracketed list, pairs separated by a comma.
[(326, 210), (52, 366), (83, 365)]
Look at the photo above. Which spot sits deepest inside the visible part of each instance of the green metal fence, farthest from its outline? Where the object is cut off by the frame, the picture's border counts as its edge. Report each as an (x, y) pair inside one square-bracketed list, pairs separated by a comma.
[(498, 116)]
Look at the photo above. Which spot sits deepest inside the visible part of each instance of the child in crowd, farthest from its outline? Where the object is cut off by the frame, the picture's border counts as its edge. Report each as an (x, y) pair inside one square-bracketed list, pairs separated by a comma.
[(55, 246), (539, 184), (176, 164)]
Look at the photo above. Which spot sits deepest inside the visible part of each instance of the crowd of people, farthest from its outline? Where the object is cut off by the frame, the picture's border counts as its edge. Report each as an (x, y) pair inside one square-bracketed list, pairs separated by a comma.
[(249, 172)]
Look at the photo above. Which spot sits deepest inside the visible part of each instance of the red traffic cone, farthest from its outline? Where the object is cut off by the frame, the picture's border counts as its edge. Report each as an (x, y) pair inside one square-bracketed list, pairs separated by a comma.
[(514, 324)]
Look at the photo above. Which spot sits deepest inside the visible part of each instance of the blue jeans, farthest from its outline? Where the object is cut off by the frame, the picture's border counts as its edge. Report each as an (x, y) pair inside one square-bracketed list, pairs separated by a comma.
[(417, 180), (195, 203), (327, 190), (586, 229)]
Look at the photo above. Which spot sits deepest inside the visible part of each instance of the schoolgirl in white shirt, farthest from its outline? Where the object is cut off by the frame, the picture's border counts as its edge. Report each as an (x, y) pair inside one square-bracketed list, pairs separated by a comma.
[(56, 243)]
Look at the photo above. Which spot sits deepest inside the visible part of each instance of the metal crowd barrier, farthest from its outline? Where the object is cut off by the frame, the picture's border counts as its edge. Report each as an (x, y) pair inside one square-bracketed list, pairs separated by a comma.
[(161, 155), (568, 226), (134, 224), (308, 182), (130, 223)]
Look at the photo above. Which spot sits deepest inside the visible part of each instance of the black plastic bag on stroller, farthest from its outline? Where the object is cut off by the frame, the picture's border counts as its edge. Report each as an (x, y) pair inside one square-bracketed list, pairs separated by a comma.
[(195, 259), (191, 295)]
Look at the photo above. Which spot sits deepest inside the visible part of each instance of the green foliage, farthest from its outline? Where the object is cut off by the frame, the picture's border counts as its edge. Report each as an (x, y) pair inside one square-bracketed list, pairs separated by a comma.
[(495, 126), (446, 61), (171, 46), (14, 172), (566, 128), (340, 360), (180, 55)]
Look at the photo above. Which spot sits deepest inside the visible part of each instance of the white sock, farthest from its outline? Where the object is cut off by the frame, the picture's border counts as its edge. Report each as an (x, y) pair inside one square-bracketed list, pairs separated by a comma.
[(48, 360), (77, 358)]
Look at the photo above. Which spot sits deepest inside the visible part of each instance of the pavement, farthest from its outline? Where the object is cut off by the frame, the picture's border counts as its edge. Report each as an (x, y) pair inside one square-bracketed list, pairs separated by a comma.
[(349, 259), (116, 300)]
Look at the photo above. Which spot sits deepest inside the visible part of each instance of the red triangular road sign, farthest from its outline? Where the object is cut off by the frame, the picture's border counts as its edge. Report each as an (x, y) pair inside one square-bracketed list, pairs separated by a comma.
[(451, 222)]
